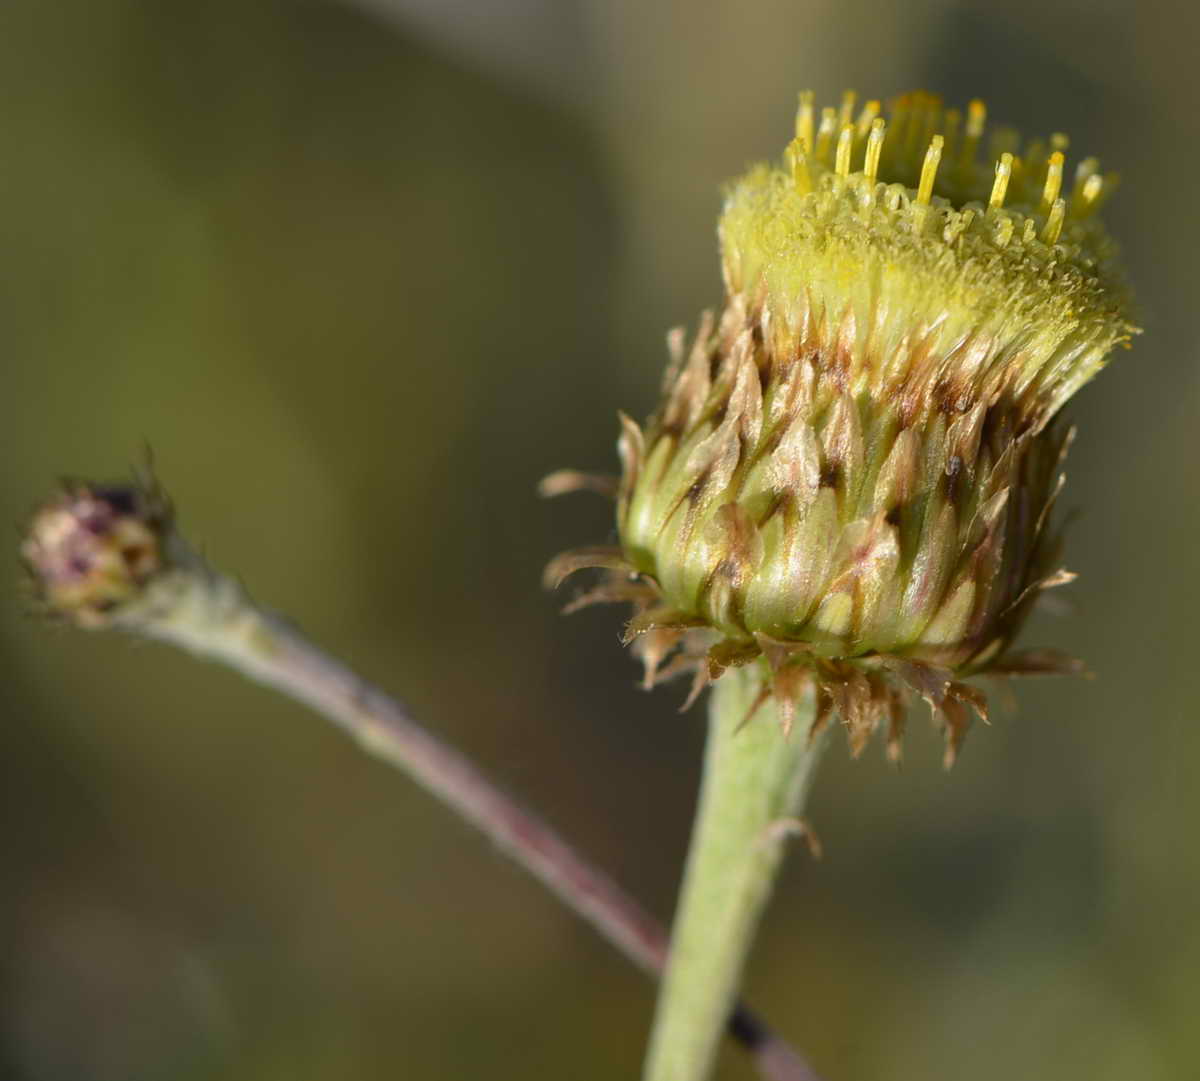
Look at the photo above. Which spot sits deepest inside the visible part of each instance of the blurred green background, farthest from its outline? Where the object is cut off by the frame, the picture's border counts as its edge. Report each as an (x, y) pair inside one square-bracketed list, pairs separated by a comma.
[(360, 275)]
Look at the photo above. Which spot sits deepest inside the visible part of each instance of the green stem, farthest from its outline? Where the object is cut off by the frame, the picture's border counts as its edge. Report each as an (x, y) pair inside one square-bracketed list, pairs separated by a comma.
[(755, 780), (198, 609)]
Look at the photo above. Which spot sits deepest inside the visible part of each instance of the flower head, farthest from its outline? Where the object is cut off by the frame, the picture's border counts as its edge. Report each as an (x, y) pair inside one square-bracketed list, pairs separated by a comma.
[(851, 475), (93, 549)]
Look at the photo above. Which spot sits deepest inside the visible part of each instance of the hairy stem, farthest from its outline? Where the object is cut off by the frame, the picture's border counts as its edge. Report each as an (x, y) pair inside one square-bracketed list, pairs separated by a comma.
[(208, 614), (755, 782)]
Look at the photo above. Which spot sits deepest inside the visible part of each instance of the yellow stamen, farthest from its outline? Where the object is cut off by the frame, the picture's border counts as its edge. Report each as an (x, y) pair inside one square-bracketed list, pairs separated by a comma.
[(1054, 175), (825, 135), (845, 144), (1084, 171), (929, 170), (1054, 222), (1000, 186), (874, 148)]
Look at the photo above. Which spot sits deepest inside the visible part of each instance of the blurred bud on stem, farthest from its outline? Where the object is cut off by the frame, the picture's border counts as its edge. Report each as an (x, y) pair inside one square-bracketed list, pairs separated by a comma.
[(94, 549), (109, 556)]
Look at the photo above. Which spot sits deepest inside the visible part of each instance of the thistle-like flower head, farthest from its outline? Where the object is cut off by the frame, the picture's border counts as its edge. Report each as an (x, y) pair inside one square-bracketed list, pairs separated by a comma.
[(852, 471)]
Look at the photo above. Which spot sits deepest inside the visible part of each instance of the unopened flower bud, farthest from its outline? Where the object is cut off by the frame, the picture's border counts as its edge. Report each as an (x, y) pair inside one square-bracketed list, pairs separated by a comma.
[(94, 548), (852, 471)]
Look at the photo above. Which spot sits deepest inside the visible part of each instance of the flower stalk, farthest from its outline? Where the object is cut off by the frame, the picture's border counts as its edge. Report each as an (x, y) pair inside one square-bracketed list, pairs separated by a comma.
[(110, 557), (756, 781)]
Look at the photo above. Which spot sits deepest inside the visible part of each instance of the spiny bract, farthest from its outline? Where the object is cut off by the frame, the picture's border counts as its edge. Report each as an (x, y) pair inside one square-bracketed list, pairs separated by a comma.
[(851, 474)]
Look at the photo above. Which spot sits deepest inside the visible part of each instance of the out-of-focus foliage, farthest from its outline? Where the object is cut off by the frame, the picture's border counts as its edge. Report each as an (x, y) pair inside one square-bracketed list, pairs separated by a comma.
[(360, 276)]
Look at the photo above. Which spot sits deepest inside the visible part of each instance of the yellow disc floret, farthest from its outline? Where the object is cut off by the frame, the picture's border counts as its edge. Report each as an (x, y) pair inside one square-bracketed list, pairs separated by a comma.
[(899, 229)]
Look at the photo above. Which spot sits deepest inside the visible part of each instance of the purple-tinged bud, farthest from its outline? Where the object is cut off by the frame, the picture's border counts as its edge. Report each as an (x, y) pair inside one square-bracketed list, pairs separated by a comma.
[(94, 548)]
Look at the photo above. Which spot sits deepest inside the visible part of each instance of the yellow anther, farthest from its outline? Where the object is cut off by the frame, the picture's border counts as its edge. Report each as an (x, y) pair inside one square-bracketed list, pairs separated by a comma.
[(825, 135), (929, 170), (874, 148), (845, 144), (866, 118), (1000, 185), (1054, 222), (804, 121), (846, 116), (1054, 175)]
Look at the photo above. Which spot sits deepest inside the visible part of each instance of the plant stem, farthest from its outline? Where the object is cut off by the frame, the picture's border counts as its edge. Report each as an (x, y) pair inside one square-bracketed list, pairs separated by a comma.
[(204, 612), (755, 781)]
